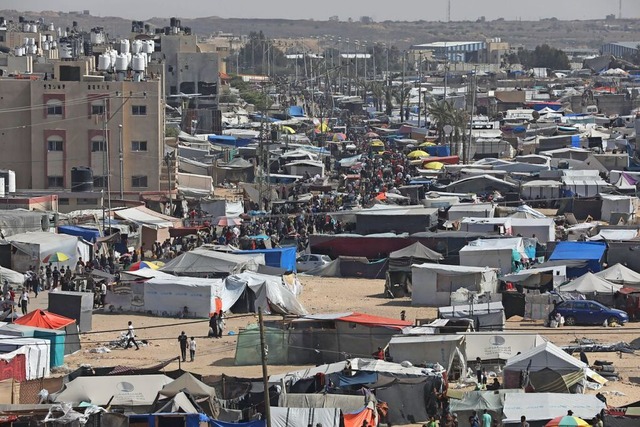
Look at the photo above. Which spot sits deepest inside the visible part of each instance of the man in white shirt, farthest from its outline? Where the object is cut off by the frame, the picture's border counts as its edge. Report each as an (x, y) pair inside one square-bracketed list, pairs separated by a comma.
[(192, 348), (131, 337)]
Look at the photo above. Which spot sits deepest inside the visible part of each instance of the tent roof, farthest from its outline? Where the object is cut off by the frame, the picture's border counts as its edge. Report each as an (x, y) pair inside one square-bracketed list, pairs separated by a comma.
[(146, 217), (363, 319), (479, 309), (13, 277), (479, 400), (417, 251), (453, 270), (546, 355), (545, 406), (621, 274), (189, 383), (204, 261), (590, 283), (44, 319), (579, 251)]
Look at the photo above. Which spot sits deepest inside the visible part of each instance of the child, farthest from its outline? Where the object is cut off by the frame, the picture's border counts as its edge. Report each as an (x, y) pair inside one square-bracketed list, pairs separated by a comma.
[(192, 348)]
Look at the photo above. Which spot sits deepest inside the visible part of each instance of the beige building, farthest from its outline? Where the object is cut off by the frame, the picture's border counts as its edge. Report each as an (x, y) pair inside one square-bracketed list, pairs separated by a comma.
[(76, 120)]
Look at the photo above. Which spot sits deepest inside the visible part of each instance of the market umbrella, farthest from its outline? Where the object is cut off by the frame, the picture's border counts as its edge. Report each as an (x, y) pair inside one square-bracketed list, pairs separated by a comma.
[(417, 154), (376, 143), (371, 135), (427, 144), (337, 137), (434, 165), (225, 221), (153, 265), (56, 257), (566, 421), (288, 129)]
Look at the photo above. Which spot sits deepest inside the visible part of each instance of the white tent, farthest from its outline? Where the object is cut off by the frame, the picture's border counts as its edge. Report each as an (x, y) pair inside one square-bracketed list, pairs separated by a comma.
[(545, 368), (546, 406), (434, 283), (497, 253), (589, 283), (498, 345), (612, 203), (620, 274), (32, 248), (486, 316), (421, 349), (13, 277), (200, 262), (37, 353)]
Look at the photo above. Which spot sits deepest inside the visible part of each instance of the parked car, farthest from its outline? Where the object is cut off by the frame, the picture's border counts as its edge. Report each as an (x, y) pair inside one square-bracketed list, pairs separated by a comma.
[(586, 312), (309, 262)]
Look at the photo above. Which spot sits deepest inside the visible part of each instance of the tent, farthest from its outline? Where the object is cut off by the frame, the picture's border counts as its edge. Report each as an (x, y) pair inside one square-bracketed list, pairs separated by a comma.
[(36, 353), (620, 274), (486, 316), (546, 406), (14, 278), (545, 368), (296, 417), (284, 258), (204, 395), (592, 252), (434, 283), (492, 401), (501, 345), (55, 339), (32, 248), (154, 226), (589, 283), (421, 349), (47, 320), (497, 253), (417, 253), (207, 263), (118, 390)]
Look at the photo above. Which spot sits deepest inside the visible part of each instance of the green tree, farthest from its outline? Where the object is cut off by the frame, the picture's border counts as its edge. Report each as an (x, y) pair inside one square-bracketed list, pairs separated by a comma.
[(544, 56)]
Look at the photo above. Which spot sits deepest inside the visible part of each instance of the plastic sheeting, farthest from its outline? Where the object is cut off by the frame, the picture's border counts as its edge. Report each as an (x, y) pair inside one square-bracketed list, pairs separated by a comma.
[(256, 423), (345, 403), (296, 417), (36, 351), (199, 262), (545, 406), (32, 248)]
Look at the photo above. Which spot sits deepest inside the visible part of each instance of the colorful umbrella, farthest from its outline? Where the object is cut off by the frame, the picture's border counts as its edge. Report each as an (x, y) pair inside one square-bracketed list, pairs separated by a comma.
[(567, 421), (337, 137), (153, 265), (427, 144), (417, 154), (226, 221), (56, 257), (288, 129), (376, 143), (434, 165), (371, 135)]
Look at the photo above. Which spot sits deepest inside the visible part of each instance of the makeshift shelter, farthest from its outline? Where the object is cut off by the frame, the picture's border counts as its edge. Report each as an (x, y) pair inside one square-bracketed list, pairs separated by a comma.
[(499, 346), (477, 401), (154, 226), (433, 284), (208, 263), (284, 258), (591, 252), (541, 407), (545, 368), (417, 253), (32, 248), (426, 349), (14, 278), (502, 254), (204, 395), (136, 392), (25, 358), (346, 266), (589, 284), (47, 320), (486, 316), (295, 417), (614, 204), (54, 338), (621, 275)]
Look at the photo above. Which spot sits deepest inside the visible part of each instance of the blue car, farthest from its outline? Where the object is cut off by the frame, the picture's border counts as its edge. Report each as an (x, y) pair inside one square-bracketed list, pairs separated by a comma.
[(585, 312)]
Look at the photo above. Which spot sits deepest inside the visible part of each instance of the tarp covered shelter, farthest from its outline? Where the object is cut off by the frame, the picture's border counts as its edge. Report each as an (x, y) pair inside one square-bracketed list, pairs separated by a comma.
[(486, 316), (36, 353), (546, 406), (545, 368), (88, 234), (207, 263), (620, 274), (347, 266), (296, 417), (496, 253), (491, 400), (48, 320), (32, 248), (118, 390), (344, 402), (592, 252), (589, 283), (284, 258), (434, 283), (499, 345), (14, 278), (154, 226), (204, 395), (56, 339), (417, 253), (423, 349)]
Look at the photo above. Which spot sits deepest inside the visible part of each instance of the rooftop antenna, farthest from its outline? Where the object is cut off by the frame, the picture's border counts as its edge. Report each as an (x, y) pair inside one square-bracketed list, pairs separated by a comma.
[(449, 10)]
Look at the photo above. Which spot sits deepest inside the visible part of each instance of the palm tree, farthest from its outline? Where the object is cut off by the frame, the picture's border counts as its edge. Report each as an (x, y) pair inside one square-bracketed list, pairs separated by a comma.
[(444, 113), (401, 94), (378, 92)]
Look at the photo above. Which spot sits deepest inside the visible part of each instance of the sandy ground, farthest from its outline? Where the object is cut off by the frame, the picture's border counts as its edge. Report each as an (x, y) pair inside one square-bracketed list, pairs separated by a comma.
[(215, 356)]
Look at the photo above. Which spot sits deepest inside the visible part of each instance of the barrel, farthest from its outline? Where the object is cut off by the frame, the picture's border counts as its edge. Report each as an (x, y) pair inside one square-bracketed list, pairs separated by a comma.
[(81, 179)]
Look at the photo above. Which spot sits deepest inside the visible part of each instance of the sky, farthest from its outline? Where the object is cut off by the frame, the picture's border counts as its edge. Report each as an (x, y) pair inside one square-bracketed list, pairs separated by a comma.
[(379, 10)]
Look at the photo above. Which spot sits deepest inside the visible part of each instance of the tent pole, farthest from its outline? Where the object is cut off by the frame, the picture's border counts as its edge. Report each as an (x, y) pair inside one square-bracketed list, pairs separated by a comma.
[(265, 375)]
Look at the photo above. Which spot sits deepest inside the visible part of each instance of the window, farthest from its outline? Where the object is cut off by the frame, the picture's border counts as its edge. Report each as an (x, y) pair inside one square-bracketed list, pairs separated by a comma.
[(63, 201), (138, 181), (97, 109), (138, 145), (139, 110), (55, 181), (54, 108), (55, 145), (84, 201), (98, 145), (100, 181)]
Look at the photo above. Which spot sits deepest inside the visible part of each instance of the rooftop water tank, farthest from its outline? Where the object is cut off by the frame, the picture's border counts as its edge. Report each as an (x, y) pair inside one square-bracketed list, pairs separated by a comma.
[(65, 51), (136, 46), (19, 51), (46, 45), (2, 188), (81, 179), (9, 178), (32, 49), (104, 62), (52, 27), (122, 62), (124, 46), (148, 47), (138, 63)]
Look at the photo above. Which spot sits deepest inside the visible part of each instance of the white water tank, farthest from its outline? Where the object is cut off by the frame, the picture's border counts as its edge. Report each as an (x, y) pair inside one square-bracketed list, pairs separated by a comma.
[(12, 181), (25, 41), (32, 49), (54, 44), (124, 46), (19, 51), (104, 62), (121, 62), (136, 46), (97, 37), (52, 27), (2, 192), (139, 62), (49, 37), (65, 51), (26, 27), (113, 55), (46, 45), (148, 47)]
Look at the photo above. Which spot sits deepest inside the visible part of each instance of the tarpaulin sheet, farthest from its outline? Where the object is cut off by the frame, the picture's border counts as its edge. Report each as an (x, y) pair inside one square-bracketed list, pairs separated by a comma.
[(370, 320), (296, 417), (44, 319), (358, 419), (359, 378), (88, 234), (277, 257), (592, 252)]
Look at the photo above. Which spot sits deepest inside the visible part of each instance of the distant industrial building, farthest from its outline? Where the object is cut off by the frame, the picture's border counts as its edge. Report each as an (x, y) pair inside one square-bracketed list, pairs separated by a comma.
[(620, 49), (489, 51)]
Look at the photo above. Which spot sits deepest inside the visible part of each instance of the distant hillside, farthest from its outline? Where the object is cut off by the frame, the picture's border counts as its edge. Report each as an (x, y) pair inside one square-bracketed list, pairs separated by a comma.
[(562, 34)]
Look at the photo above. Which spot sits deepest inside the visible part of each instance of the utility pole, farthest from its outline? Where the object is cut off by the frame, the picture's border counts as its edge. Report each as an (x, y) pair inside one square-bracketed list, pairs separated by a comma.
[(420, 88), (121, 163), (467, 146), (265, 375)]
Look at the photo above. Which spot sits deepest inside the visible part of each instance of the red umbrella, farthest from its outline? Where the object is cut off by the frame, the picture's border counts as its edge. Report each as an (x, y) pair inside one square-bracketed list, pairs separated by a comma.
[(225, 221)]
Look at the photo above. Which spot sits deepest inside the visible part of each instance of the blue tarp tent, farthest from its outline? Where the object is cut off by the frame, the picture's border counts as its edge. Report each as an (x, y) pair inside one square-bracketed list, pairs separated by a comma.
[(284, 258), (295, 111), (438, 150), (228, 140), (591, 252), (88, 234)]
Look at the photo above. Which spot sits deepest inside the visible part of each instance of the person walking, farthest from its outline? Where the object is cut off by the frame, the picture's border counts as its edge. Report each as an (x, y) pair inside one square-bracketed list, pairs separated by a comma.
[(478, 368), (192, 348), (220, 323), (213, 326), (24, 301), (473, 420), (131, 337), (486, 419), (183, 340)]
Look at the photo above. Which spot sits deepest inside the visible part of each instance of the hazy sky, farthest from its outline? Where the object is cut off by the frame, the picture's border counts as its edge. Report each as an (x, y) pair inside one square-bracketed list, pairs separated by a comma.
[(379, 10)]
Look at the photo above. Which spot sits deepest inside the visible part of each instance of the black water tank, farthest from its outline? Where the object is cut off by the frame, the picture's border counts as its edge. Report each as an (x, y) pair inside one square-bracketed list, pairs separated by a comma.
[(81, 179)]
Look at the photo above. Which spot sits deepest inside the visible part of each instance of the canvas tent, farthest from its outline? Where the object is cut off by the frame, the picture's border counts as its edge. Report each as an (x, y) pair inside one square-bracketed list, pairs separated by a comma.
[(36, 351), (295, 417), (486, 316), (588, 284), (492, 401), (32, 248), (55, 338), (14, 278), (417, 253), (591, 252), (118, 390), (421, 349), (621, 275), (498, 345), (48, 320), (204, 395), (154, 227), (207, 263), (542, 407), (497, 253), (545, 368), (433, 284)]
